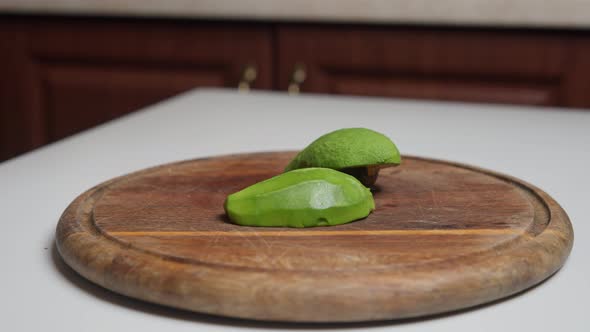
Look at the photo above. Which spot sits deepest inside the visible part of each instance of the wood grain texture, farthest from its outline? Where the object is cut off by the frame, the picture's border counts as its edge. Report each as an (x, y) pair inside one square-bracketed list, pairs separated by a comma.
[(443, 236)]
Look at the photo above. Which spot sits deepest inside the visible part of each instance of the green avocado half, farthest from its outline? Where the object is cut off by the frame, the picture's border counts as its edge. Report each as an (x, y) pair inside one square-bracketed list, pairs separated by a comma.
[(359, 152), (301, 198)]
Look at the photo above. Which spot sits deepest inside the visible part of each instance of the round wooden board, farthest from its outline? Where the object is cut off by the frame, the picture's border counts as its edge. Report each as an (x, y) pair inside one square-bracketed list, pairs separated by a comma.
[(443, 236)]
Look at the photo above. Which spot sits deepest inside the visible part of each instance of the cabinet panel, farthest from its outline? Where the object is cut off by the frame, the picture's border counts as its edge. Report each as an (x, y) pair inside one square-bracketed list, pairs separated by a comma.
[(517, 67), (76, 97), (74, 73), (15, 123)]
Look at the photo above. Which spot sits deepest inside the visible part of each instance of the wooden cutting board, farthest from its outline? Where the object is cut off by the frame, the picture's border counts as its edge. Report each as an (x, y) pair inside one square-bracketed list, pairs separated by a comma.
[(444, 236)]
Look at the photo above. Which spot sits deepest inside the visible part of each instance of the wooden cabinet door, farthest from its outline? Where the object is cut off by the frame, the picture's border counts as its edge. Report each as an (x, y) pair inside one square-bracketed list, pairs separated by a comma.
[(498, 66), (76, 73)]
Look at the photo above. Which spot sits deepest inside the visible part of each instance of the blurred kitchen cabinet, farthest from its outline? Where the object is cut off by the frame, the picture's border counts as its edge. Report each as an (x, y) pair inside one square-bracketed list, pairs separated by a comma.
[(64, 75), (60, 75), (498, 66)]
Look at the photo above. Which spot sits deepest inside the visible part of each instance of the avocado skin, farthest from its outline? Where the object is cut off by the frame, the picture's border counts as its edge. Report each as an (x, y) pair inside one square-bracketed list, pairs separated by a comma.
[(347, 148)]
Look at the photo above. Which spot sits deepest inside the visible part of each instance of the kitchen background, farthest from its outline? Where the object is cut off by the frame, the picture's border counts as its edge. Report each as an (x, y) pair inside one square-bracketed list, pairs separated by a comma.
[(66, 66)]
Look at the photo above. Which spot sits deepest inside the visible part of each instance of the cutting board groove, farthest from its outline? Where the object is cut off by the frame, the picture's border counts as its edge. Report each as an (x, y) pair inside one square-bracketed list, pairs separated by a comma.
[(444, 236)]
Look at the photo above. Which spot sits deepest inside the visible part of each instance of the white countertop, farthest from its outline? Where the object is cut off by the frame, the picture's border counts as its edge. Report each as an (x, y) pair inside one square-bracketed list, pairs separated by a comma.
[(497, 13), (544, 146)]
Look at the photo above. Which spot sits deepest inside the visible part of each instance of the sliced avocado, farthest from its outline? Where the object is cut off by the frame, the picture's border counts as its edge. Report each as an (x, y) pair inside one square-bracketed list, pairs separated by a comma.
[(359, 152), (301, 198)]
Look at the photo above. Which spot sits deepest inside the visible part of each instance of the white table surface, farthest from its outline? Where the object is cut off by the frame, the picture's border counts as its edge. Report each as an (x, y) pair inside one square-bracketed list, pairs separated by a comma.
[(547, 147)]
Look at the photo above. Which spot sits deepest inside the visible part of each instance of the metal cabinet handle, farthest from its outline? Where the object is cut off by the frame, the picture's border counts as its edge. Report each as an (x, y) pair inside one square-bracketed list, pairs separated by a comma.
[(297, 78), (249, 74)]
